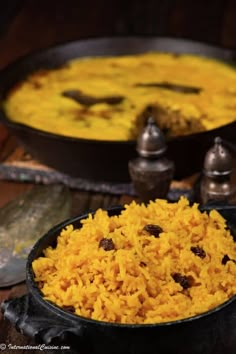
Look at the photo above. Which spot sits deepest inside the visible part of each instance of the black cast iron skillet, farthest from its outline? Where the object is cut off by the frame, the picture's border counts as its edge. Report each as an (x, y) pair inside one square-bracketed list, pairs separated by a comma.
[(103, 160), (213, 332)]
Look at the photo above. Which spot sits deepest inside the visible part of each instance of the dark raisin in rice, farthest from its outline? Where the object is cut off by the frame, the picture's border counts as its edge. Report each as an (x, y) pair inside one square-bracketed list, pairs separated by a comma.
[(153, 230), (182, 280), (69, 308), (198, 251), (107, 244), (40, 284), (226, 259)]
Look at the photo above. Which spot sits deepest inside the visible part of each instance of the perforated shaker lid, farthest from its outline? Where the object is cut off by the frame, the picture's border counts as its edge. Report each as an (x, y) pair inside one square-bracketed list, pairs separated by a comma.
[(151, 141), (218, 160)]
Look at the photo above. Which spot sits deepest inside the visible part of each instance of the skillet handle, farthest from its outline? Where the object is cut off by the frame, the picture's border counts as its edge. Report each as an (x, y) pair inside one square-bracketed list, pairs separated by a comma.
[(32, 320)]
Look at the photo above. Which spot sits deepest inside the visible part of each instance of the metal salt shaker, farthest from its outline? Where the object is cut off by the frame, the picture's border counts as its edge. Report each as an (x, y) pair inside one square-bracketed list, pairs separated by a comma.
[(215, 184), (151, 172)]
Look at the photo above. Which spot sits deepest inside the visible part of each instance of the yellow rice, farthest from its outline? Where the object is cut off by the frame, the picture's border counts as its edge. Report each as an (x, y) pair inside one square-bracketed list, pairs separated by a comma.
[(134, 282), (38, 100)]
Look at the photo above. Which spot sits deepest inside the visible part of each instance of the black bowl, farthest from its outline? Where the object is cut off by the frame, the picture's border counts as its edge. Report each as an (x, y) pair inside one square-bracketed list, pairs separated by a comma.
[(108, 160), (213, 332)]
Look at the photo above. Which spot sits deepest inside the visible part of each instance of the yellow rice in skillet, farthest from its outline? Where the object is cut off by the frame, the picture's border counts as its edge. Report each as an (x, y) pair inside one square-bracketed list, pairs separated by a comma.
[(184, 93), (151, 264)]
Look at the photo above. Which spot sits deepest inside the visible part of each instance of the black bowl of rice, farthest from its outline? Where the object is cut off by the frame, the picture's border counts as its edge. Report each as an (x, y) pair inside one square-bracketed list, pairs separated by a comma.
[(143, 279)]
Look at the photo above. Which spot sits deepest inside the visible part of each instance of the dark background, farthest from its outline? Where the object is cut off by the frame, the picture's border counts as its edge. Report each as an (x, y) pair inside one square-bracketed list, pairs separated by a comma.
[(27, 25)]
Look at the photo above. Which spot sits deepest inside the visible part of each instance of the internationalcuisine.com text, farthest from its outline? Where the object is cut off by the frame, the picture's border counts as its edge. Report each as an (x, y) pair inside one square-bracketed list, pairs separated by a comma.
[(37, 347)]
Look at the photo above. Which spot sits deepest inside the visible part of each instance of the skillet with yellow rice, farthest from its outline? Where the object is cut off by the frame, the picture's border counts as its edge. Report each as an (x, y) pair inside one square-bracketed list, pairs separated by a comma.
[(105, 158)]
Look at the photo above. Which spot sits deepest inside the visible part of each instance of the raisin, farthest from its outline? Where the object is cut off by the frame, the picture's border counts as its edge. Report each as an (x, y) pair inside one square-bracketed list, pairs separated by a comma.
[(153, 230), (107, 244), (142, 264), (182, 280), (40, 284), (198, 251), (226, 259), (69, 308), (36, 85)]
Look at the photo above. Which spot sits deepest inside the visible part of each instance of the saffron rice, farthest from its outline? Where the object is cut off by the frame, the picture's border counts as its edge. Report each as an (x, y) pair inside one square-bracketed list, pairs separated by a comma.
[(185, 94), (184, 268)]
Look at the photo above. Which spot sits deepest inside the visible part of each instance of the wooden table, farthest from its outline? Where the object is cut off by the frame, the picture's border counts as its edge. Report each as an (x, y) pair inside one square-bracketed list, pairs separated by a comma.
[(81, 201)]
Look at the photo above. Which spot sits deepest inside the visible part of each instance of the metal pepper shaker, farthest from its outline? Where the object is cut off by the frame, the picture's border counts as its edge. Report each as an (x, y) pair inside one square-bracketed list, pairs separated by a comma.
[(151, 172), (216, 181)]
